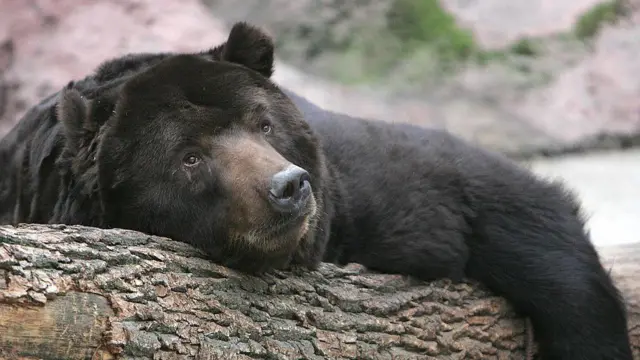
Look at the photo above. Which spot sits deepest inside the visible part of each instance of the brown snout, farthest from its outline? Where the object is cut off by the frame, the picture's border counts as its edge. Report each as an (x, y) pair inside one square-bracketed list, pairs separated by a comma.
[(262, 182)]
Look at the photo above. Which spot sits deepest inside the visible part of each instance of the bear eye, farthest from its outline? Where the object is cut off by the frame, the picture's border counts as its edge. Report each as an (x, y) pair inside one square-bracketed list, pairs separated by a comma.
[(265, 126), (191, 160)]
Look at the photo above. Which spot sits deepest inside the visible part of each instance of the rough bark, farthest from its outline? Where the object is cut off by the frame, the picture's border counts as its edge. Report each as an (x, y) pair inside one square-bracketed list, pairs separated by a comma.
[(86, 293)]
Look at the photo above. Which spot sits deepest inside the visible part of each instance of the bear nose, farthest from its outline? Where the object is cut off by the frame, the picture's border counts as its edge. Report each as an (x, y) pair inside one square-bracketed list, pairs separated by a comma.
[(290, 189)]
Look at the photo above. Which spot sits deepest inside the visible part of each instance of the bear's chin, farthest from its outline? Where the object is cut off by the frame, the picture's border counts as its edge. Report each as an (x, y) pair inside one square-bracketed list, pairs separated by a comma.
[(256, 254), (283, 237)]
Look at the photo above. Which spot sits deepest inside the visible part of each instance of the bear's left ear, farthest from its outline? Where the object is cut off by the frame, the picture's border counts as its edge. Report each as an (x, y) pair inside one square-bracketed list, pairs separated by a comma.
[(249, 46)]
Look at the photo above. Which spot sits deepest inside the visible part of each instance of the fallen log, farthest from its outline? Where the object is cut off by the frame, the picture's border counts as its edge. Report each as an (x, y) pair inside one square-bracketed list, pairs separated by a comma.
[(72, 292)]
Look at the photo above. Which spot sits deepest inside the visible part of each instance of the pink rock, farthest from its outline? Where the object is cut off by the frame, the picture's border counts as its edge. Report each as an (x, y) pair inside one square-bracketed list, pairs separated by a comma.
[(55, 41), (600, 95), (497, 23)]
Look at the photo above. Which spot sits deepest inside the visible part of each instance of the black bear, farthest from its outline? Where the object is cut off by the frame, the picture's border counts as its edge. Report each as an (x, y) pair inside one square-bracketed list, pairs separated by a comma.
[(204, 148)]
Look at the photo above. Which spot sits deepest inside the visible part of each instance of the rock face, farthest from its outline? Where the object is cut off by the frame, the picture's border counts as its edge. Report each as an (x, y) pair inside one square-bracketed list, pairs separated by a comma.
[(573, 98), (55, 41), (600, 93), (497, 23)]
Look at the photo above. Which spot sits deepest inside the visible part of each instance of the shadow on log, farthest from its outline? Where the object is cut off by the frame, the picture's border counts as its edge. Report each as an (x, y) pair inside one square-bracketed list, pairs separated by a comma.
[(70, 292)]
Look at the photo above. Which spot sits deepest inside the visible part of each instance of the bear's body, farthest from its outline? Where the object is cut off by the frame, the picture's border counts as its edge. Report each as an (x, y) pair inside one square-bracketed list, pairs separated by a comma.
[(186, 146)]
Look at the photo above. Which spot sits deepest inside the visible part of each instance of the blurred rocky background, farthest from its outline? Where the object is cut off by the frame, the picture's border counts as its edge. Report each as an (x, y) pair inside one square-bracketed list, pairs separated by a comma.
[(521, 76), (525, 77)]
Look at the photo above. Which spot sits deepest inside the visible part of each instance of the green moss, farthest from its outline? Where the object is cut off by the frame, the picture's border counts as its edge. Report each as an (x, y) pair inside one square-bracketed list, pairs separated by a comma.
[(525, 47), (592, 21), (418, 23), (419, 40)]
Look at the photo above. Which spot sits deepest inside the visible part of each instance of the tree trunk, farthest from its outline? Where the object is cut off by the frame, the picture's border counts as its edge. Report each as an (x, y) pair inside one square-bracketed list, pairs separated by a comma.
[(70, 292)]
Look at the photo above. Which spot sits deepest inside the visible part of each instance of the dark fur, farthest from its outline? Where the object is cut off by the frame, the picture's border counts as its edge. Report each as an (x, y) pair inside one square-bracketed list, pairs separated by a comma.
[(395, 198)]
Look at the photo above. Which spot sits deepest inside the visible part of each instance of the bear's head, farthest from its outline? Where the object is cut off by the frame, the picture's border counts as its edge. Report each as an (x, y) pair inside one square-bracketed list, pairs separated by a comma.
[(206, 150)]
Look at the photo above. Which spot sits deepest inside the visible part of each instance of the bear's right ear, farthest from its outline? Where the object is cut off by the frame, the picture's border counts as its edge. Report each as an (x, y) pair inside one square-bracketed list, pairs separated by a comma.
[(73, 111), (249, 46)]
